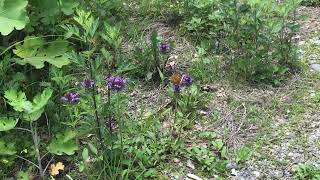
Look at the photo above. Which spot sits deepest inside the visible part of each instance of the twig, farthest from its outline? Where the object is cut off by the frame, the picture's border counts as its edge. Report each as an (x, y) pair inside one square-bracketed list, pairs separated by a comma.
[(45, 169), (23, 129), (27, 161)]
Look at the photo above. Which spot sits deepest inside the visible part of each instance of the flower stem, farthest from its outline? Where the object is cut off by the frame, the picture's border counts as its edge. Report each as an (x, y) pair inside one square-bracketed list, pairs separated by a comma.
[(93, 92), (36, 142)]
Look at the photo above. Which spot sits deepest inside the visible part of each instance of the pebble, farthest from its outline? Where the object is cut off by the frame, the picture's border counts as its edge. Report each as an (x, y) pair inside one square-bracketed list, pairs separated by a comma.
[(192, 176), (190, 164), (234, 172), (316, 41), (315, 67), (232, 165), (256, 174), (313, 59)]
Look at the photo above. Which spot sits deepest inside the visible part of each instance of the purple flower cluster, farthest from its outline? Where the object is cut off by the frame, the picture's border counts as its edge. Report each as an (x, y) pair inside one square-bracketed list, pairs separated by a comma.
[(116, 83), (186, 80), (164, 47), (71, 98), (177, 88), (88, 83)]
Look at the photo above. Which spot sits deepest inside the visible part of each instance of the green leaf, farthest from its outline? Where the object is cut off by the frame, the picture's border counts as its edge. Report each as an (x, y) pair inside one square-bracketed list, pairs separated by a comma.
[(7, 148), (18, 100), (41, 100), (35, 54), (7, 123), (93, 149), (67, 6), (33, 116), (85, 154), (64, 143), (21, 175), (13, 14), (30, 46)]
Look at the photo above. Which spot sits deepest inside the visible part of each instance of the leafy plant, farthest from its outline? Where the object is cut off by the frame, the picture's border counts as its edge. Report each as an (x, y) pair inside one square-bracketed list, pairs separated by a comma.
[(242, 154), (33, 52), (305, 172), (310, 2), (13, 15), (64, 143)]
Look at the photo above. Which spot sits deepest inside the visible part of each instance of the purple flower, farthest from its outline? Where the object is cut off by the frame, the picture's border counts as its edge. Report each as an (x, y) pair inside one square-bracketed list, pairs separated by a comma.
[(88, 83), (116, 83), (186, 80), (176, 88), (164, 47), (71, 97)]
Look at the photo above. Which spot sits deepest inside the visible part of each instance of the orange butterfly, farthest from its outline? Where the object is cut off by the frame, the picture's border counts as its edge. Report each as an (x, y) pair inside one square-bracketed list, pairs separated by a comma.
[(176, 78)]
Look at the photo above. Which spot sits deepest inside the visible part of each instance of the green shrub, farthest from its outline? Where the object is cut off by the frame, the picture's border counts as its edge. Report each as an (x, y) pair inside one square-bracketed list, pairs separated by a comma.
[(311, 2), (254, 36)]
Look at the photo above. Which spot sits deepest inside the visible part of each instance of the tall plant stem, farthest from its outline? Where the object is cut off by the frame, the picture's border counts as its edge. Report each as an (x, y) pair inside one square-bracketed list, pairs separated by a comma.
[(93, 92), (98, 122), (109, 116), (36, 142)]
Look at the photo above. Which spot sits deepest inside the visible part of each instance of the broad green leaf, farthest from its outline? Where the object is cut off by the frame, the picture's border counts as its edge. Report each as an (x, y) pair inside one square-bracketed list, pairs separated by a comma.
[(7, 123), (13, 14), (21, 175), (7, 148), (33, 116), (54, 54), (67, 6), (30, 46), (63, 143), (18, 100), (41, 100), (48, 10)]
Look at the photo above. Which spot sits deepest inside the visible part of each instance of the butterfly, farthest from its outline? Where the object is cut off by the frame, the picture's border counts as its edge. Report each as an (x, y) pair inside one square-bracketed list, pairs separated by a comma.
[(176, 78), (55, 168)]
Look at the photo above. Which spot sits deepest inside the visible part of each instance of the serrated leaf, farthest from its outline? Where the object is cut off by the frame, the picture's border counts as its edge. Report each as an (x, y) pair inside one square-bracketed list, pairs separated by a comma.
[(33, 116), (7, 123), (13, 15), (30, 46), (54, 54), (18, 100), (7, 148), (41, 100), (64, 143)]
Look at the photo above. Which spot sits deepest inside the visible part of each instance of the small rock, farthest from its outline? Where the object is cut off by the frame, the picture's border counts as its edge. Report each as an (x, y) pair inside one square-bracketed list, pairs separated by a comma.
[(190, 164), (203, 113), (176, 160), (232, 165), (315, 67), (313, 59), (256, 174), (234, 172), (192, 176), (316, 41), (302, 43)]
